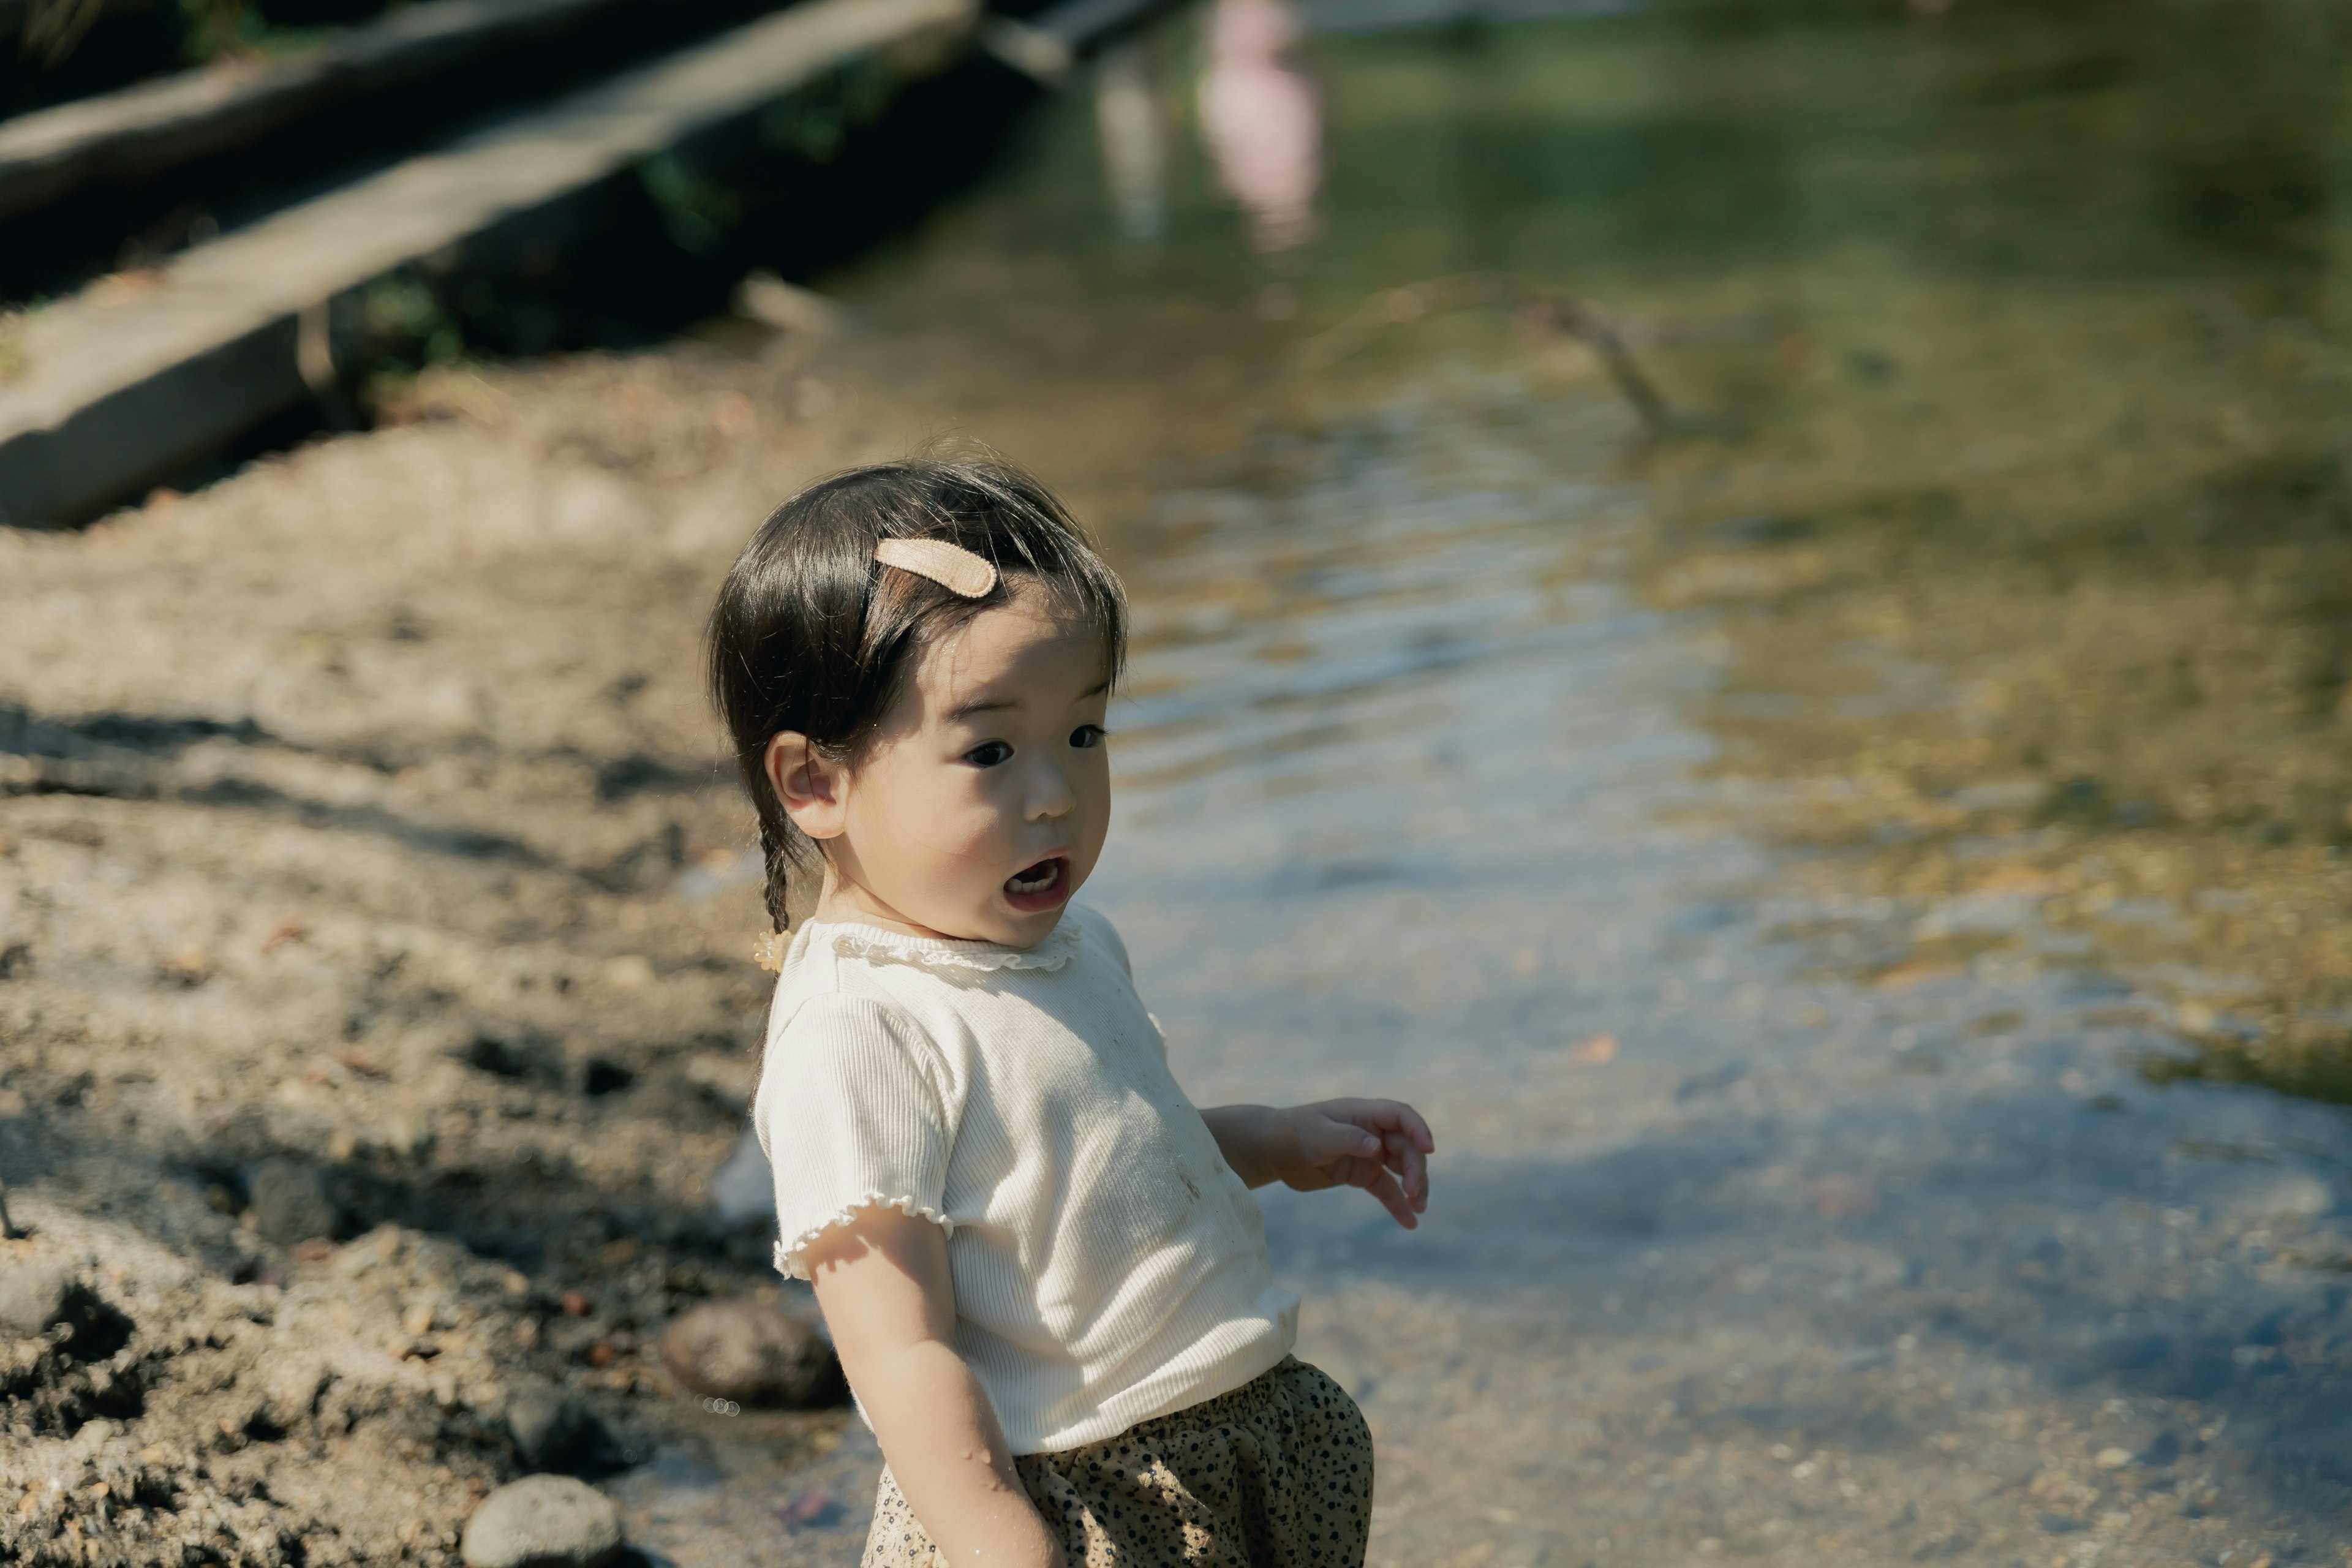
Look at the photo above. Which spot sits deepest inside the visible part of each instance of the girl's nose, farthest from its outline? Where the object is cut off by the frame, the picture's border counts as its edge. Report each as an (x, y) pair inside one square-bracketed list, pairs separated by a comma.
[(1051, 797)]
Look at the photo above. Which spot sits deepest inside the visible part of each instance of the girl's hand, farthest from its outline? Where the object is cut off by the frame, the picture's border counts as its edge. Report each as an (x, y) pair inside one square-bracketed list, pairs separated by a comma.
[(1380, 1146)]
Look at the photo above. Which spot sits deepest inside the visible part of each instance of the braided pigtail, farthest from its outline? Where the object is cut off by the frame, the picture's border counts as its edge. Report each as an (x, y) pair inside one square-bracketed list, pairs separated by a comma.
[(776, 859), (779, 860)]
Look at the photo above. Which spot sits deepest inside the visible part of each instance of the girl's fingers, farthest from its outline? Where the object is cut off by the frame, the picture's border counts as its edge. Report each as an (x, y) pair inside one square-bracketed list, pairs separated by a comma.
[(1412, 1167), (1412, 1174), (1405, 1119), (1380, 1146), (1392, 1199), (1388, 1116)]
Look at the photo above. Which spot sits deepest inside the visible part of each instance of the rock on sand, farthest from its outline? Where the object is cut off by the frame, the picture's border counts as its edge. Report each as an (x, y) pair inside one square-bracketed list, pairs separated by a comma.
[(543, 1522), (750, 1354), (35, 1295), (42, 1294)]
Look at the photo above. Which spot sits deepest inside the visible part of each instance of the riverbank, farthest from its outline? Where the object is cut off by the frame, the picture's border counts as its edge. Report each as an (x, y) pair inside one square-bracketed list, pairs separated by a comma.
[(379, 995)]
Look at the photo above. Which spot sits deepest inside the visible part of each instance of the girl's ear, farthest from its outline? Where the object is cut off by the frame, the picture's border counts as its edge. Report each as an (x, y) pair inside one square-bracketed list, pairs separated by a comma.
[(807, 784)]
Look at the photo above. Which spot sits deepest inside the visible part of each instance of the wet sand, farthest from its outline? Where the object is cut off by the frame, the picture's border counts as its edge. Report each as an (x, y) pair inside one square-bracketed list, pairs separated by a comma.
[(1804, 1189)]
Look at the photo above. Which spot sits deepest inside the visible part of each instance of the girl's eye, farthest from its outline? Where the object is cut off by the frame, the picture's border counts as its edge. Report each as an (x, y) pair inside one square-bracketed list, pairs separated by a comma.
[(988, 754), (1086, 737)]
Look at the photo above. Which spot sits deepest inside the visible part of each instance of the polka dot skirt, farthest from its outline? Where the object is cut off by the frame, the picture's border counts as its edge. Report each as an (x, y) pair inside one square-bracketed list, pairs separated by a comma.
[(1277, 1474)]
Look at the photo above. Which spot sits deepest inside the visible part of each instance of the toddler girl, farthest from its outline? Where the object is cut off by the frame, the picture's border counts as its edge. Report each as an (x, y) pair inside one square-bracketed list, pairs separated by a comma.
[(1041, 1265)]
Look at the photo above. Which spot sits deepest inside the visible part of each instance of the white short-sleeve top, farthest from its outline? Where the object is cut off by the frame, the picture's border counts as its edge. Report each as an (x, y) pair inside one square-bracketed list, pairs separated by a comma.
[(1107, 1267)]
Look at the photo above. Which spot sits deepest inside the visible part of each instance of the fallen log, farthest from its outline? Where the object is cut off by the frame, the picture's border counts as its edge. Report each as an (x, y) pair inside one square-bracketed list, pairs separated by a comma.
[(115, 386)]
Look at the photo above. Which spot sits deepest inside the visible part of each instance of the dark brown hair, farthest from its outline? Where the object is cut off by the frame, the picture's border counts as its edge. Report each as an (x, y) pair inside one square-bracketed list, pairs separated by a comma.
[(812, 633)]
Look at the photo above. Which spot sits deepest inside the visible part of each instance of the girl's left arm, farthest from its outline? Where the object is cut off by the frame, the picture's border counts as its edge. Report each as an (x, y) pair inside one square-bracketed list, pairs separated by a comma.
[(1380, 1146)]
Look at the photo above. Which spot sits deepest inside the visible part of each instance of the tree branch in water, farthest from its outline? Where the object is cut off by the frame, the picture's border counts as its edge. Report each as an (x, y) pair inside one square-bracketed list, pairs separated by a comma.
[(1544, 310)]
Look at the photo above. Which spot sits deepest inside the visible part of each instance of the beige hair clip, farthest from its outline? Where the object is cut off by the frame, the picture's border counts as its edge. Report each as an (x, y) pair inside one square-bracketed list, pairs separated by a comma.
[(952, 566)]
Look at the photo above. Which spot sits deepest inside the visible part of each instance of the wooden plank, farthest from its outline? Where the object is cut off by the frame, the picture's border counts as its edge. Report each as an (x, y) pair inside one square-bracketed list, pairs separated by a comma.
[(137, 133), (120, 385)]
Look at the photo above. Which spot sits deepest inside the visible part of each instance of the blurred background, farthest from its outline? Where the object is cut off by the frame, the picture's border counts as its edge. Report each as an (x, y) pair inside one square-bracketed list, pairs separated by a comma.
[(1751, 604)]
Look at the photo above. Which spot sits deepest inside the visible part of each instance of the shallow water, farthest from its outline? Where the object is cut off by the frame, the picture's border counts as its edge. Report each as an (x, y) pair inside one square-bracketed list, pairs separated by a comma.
[(1767, 855)]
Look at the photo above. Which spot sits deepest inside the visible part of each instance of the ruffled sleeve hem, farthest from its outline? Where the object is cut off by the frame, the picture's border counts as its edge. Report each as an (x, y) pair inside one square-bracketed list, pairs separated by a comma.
[(792, 1256)]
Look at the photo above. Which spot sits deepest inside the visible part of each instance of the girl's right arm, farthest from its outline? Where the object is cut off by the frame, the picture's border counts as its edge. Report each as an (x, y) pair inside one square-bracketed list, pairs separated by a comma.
[(883, 1283)]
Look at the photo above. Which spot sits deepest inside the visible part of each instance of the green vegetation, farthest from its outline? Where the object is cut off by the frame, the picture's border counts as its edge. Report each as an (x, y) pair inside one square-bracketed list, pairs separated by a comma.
[(230, 29)]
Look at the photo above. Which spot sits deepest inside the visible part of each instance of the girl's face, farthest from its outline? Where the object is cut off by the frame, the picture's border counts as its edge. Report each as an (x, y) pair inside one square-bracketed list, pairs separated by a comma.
[(982, 802)]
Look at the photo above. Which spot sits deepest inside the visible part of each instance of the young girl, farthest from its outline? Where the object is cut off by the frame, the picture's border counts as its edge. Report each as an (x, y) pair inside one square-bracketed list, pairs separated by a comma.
[(1041, 1265)]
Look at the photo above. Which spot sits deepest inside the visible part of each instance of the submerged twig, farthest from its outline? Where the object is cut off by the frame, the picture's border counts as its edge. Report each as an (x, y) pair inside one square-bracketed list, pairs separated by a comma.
[(8, 1231), (1539, 309)]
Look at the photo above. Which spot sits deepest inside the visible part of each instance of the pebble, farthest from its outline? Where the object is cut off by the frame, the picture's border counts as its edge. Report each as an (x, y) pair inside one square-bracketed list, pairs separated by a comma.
[(41, 1296), (35, 1295), (542, 1522), (752, 1354), (290, 1202)]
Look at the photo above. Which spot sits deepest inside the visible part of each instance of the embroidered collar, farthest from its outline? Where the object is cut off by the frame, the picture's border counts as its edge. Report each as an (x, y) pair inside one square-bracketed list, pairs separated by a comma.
[(873, 943)]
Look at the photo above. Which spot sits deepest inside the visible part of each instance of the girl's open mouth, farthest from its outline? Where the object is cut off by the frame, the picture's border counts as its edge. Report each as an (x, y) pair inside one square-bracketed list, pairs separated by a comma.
[(1040, 887)]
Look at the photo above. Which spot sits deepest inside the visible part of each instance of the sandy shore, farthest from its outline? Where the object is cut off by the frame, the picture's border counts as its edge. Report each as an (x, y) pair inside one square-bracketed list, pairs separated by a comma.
[(376, 989)]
